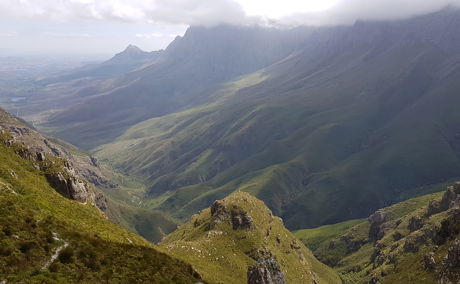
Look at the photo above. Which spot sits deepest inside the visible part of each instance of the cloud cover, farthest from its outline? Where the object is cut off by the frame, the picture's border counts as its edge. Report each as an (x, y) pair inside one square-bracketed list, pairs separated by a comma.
[(189, 12), (211, 12), (347, 12)]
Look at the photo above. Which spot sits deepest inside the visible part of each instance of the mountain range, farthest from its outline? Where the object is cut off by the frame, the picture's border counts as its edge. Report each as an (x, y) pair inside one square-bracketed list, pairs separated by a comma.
[(323, 124)]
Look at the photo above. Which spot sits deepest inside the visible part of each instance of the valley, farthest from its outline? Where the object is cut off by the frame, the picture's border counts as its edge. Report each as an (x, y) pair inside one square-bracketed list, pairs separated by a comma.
[(238, 154)]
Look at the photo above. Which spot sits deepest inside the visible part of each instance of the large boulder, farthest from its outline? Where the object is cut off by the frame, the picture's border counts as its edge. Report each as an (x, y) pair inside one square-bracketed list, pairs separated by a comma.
[(377, 222), (70, 187)]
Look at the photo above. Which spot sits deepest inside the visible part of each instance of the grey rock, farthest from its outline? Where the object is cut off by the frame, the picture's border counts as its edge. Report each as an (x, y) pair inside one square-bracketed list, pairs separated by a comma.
[(450, 227), (374, 280), (429, 261), (219, 214), (70, 187), (41, 156), (377, 221), (241, 220), (415, 223), (452, 259), (236, 216), (266, 271)]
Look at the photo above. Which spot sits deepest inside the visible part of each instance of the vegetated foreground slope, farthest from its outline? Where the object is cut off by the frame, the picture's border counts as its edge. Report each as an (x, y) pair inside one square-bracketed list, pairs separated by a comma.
[(46, 238), (75, 168), (364, 117), (238, 240), (415, 241)]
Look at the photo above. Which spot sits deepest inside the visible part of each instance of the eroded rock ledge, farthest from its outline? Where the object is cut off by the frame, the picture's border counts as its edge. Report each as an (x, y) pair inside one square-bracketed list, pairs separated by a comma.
[(234, 215)]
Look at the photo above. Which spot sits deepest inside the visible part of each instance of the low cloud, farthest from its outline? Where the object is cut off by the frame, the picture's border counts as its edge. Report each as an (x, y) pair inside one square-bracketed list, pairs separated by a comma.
[(189, 12), (211, 12), (349, 11)]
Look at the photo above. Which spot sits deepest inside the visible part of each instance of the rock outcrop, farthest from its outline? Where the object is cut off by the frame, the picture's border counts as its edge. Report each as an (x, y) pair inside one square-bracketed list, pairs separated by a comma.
[(266, 271), (71, 187), (236, 216), (415, 223), (65, 172), (38, 147), (452, 259), (377, 222), (429, 262), (450, 227), (450, 199)]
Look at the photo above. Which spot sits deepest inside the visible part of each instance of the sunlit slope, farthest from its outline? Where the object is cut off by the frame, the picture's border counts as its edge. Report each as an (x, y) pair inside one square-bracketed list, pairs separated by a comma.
[(329, 134), (235, 233)]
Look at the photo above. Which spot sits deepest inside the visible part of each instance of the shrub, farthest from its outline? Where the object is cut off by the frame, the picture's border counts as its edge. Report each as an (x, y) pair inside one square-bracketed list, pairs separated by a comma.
[(66, 255)]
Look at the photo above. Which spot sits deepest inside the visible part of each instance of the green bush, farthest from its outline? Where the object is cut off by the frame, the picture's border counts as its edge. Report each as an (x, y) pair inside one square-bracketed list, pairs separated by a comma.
[(66, 255)]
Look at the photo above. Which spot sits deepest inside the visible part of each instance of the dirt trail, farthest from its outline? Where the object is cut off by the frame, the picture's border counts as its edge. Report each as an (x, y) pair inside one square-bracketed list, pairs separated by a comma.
[(56, 253)]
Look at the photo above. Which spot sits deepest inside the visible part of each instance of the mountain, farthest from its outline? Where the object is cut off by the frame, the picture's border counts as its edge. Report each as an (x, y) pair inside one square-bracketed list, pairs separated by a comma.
[(48, 238), (415, 241), (122, 63), (360, 118), (183, 76), (238, 240)]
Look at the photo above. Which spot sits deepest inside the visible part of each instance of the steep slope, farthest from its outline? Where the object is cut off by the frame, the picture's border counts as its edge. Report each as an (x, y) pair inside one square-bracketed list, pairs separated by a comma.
[(46, 238), (415, 241), (185, 74), (70, 171), (238, 240), (362, 118)]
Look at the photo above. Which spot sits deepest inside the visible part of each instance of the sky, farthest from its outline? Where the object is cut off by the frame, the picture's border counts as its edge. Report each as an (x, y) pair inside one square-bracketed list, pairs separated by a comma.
[(105, 27)]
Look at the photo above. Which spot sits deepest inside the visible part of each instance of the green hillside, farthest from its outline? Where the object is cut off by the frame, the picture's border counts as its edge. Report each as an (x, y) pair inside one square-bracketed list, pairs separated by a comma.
[(328, 134), (235, 233), (409, 242), (37, 224), (313, 238)]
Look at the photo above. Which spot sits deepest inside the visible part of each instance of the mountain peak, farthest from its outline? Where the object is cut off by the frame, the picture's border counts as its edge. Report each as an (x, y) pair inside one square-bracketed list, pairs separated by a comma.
[(239, 239), (133, 48), (131, 54)]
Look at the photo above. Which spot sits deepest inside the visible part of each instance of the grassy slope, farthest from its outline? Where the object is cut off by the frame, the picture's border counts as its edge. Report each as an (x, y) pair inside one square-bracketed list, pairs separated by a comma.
[(220, 254), (123, 201), (31, 211), (313, 238), (150, 224)]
